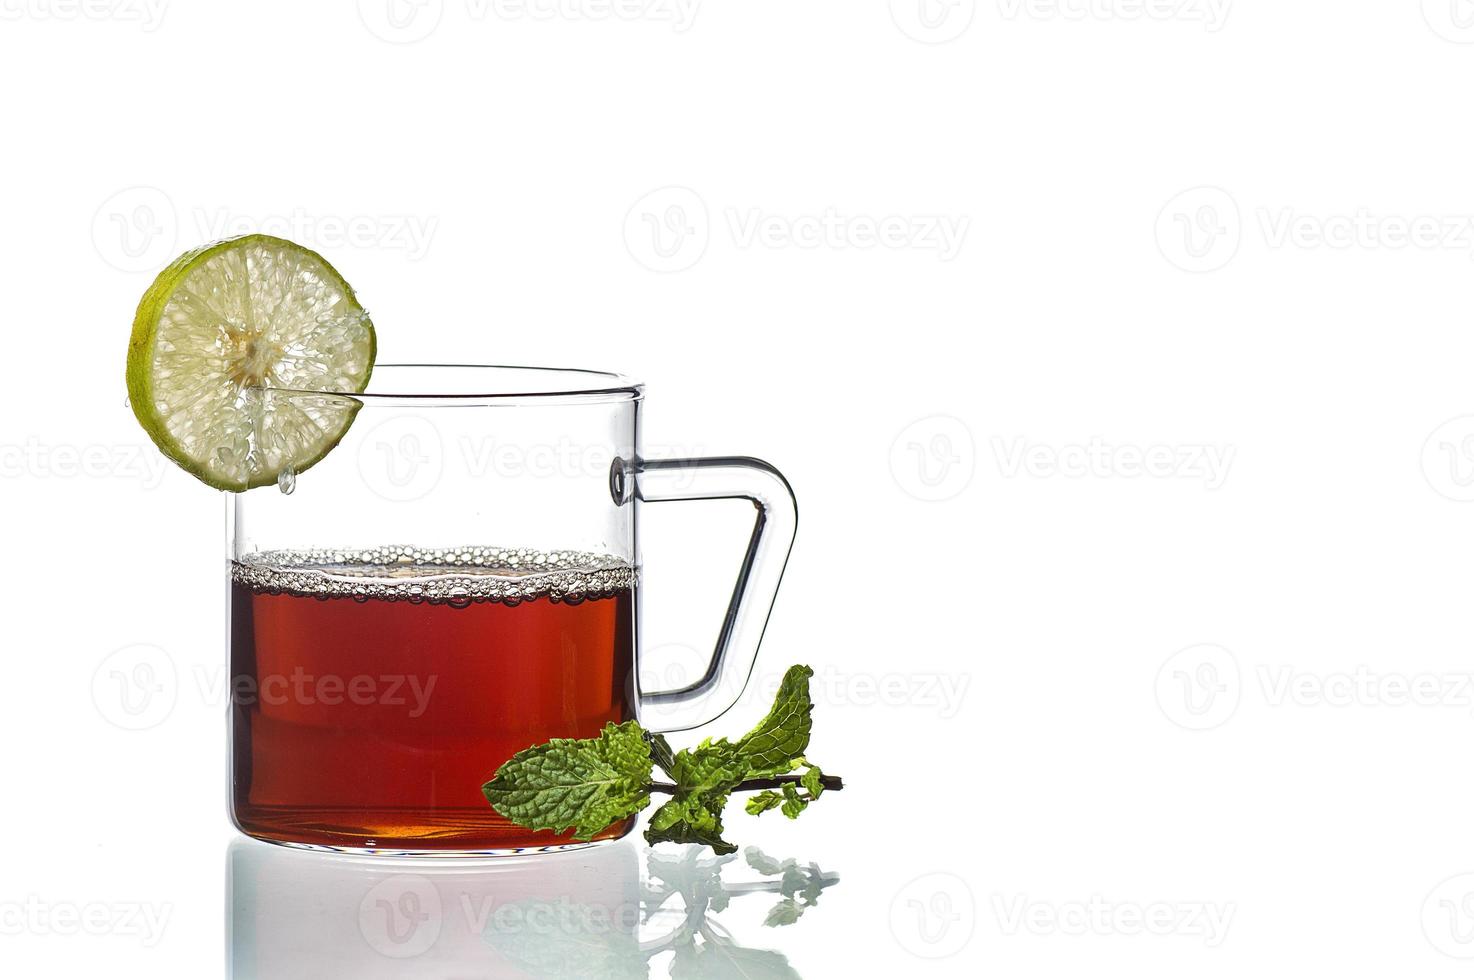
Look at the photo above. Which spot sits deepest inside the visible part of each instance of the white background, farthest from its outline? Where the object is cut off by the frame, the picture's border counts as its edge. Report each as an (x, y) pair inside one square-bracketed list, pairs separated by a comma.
[(1184, 375)]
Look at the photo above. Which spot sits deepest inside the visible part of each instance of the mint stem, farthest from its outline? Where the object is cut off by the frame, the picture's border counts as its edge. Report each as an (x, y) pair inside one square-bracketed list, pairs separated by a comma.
[(749, 785)]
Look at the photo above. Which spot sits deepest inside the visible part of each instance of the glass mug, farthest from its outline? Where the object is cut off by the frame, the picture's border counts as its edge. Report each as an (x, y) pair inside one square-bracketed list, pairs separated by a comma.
[(455, 581)]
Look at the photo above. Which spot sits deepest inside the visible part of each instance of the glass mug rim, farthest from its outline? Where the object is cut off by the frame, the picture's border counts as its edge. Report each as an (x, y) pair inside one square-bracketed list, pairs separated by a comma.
[(467, 384)]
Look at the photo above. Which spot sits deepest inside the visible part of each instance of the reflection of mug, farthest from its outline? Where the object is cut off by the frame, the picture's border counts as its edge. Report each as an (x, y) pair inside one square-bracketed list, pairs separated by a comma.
[(456, 582), (294, 914)]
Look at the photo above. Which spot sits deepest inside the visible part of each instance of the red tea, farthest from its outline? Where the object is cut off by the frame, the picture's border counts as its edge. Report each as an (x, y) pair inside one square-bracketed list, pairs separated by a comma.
[(375, 692)]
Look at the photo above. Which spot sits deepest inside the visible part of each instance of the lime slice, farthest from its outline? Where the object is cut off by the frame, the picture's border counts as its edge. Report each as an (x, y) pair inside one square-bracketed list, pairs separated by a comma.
[(220, 328)]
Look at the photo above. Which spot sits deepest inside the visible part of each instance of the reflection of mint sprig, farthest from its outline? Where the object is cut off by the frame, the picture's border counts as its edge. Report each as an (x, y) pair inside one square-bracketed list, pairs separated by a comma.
[(703, 949), (799, 886), (587, 784)]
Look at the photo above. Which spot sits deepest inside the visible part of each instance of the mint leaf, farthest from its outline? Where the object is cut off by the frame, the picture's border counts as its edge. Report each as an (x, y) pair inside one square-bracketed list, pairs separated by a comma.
[(793, 804), (792, 797), (686, 819), (705, 777), (660, 752), (781, 738), (713, 766), (813, 781), (583, 784), (763, 802)]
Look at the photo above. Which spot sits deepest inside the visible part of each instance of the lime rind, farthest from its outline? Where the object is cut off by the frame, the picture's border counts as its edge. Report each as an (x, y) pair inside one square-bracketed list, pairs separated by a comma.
[(219, 331)]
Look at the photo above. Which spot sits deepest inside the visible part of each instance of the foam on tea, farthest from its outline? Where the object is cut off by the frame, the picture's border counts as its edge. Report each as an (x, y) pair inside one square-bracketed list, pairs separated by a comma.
[(436, 575), (375, 691)]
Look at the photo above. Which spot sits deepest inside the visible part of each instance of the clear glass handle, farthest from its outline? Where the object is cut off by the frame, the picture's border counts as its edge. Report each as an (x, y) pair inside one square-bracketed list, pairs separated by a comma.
[(721, 478)]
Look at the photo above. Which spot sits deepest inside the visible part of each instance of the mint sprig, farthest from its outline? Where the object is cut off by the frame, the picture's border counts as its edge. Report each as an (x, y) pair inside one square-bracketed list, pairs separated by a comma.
[(585, 785)]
